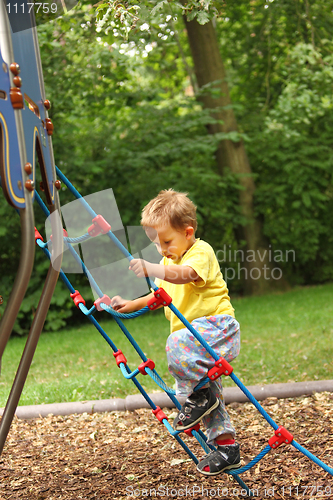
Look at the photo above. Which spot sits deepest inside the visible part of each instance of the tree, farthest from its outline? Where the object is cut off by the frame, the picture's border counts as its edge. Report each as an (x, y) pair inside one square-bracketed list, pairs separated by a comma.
[(214, 95), (231, 154), (296, 191), (129, 114)]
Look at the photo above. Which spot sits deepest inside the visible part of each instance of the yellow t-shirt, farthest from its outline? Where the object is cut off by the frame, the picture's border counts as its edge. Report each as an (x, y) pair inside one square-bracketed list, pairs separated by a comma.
[(207, 297)]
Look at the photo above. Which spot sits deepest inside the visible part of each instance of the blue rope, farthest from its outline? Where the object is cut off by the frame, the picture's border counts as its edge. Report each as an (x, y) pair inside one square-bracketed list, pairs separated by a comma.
[(202, 383), (132, 375), (76, 193), (152, 373), (312, 457), (186, 448), (193, 330), (243, 485), (253, 462), (62, 275), (73, 252), (131, 339), (170, 392), (201, 438), (110, 234), (77, 240), (160, 382), (125, 372), (131, 315), (82, 307), (253, 400)]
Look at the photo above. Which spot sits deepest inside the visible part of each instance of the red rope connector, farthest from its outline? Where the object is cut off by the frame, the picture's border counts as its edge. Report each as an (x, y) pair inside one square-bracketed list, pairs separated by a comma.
[(222, 367), (161, 299), (281, 436), (149, 364), (120, 358), (105, 299), (77, 298), (159, 414), (99, 225), (194, 428), (38, 236)]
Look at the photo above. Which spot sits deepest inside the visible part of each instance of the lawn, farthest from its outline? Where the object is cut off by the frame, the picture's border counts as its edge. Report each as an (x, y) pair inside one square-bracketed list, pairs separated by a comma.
[(286, 337)]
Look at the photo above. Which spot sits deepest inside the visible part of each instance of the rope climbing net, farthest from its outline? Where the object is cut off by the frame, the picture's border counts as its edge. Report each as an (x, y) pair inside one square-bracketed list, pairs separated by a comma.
[(222, 368)]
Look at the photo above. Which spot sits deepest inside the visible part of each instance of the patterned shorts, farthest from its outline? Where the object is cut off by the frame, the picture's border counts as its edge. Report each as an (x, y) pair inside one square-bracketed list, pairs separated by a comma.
[(189, 363)]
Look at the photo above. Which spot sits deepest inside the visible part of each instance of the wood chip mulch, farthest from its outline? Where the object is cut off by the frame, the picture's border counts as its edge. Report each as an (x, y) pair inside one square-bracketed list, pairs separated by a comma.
[(122, 455)]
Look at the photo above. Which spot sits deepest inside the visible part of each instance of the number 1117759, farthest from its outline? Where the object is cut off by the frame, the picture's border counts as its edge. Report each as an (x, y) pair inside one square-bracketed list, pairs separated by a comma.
[(309, 491), (38, 7)]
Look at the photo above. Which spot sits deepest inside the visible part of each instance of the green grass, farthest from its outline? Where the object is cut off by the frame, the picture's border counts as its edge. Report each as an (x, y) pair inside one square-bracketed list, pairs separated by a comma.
[(285, 338)]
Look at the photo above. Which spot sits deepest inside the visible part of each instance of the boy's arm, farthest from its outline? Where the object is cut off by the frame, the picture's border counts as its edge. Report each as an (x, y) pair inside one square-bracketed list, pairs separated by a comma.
[(172, 273), (126, 306)]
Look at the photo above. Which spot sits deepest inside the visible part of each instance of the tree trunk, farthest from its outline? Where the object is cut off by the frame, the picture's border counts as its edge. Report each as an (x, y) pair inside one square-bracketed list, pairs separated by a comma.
[(208, 67)]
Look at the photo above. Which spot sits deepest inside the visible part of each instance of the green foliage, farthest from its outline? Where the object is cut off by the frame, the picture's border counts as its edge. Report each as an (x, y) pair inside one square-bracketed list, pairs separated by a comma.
[(127, 16), (126, 117), (295, 193), (255, 39), (142, 133), (127, 126)]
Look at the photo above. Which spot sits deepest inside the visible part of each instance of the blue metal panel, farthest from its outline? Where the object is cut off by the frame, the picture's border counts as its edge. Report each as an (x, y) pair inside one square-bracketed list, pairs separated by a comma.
[(26, 53), (11, 172), (31, 120)]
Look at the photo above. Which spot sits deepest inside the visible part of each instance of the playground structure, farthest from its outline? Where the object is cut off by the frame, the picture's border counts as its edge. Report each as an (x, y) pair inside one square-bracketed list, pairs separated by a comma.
[(25, 138), (26, 132)]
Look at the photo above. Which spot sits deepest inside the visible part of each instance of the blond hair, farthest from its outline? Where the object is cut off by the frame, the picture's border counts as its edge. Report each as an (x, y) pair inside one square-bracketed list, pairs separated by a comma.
[(170, 207)]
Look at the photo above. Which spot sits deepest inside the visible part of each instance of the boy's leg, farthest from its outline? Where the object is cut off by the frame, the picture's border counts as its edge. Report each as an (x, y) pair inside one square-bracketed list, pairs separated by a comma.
[(221, 433), (189, 363), (218, 422), (188, 360)]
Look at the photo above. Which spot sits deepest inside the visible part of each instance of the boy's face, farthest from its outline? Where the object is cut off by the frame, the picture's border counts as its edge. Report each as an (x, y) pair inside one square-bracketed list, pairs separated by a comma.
[(172, 243)]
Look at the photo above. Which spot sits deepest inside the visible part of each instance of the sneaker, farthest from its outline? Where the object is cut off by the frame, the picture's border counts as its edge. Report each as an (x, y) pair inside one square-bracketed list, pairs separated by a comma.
[(223, 458), (199, 404)]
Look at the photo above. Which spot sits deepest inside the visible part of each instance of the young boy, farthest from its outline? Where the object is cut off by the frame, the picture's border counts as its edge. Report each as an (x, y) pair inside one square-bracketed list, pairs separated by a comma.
[(189, 272)]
